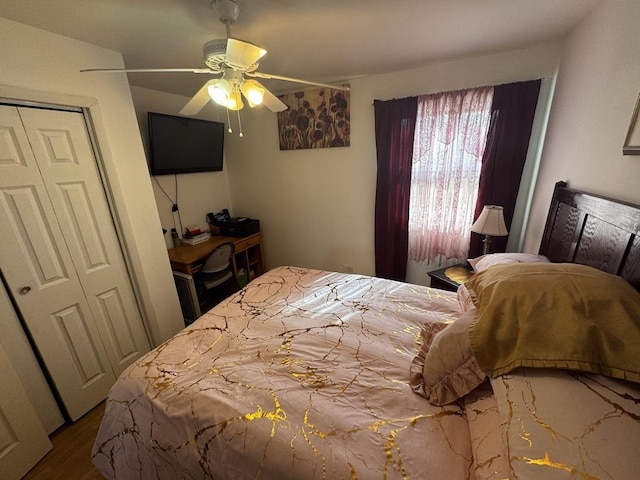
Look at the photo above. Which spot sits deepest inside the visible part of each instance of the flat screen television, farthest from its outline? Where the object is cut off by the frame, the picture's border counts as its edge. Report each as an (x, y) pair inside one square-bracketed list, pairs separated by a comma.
[(184, 145)]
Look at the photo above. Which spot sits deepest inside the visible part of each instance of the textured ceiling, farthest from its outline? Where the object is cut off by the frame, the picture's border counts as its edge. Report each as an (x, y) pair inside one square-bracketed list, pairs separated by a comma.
[(321, 40)]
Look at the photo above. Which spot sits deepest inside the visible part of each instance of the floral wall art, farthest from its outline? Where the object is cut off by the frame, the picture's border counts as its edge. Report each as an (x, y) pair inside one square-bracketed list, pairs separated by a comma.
[(316, 118)]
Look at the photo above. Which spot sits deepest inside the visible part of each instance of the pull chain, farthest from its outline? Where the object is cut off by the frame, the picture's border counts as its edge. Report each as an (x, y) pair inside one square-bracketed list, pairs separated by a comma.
[(228, 121), (239, 124)]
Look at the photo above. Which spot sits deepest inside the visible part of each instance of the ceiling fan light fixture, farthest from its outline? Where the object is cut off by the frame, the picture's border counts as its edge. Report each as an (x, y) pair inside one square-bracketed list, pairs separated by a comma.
[(253, 92), (235, 100), (220, 92)]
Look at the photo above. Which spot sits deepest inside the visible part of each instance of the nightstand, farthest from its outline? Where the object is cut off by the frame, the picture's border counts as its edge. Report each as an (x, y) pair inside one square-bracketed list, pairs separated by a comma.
[(450, 278)]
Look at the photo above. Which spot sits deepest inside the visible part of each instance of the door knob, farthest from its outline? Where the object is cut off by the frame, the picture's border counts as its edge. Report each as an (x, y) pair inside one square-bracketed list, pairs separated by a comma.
[(24, 290)]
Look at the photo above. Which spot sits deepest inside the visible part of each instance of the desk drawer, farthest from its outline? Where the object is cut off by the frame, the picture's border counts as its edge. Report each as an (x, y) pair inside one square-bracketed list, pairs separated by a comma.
[(247, 243)]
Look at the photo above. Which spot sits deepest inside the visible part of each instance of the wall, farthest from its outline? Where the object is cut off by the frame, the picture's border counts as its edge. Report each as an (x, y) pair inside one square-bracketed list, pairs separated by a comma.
[(596, 92), (197, 193), (316, 207), (31, 71)]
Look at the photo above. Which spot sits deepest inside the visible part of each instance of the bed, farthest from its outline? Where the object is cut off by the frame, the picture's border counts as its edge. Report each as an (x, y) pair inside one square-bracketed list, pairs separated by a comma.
[(308, 374)]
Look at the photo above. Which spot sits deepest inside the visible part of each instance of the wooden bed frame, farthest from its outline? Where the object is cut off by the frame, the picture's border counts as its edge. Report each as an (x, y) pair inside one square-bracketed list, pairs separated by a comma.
[(592, 230)]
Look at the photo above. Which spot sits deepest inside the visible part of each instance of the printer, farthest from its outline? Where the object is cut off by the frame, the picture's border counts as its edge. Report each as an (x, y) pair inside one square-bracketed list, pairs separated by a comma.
[(239, 227), (233, 226)]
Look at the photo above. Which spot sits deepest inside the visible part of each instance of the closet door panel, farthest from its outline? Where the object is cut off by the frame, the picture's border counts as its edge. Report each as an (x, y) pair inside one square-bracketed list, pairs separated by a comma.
[(66, 161), (16, 345), (23, 441)]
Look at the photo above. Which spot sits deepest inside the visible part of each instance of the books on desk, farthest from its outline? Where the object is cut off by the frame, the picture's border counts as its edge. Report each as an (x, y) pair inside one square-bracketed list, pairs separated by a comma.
[(196, 239)]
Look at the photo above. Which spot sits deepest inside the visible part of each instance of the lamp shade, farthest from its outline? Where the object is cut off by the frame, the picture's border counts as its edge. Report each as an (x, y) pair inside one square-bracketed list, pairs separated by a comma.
[(490, 222), (253, 92), (220, 91), (235, 100)]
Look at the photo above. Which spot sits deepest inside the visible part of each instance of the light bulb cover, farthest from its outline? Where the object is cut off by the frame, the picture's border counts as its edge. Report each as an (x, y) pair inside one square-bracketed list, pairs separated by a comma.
[(220, 91), (235, 100), (253, 92)]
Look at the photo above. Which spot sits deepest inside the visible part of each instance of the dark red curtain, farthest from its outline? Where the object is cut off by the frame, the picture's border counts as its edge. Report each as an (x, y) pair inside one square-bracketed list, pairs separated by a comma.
[(395, 122), (514, 106)]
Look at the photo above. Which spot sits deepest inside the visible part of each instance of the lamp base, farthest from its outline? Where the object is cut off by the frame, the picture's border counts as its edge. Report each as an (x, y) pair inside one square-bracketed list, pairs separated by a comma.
[(486, 242)]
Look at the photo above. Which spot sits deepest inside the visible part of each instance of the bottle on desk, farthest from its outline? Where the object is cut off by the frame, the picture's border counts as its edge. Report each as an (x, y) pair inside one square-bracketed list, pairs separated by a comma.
[(242, 277), (175, 237)]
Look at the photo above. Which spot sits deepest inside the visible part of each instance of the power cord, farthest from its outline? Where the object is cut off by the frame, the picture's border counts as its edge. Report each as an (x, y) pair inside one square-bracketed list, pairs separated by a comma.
[(174, 203)]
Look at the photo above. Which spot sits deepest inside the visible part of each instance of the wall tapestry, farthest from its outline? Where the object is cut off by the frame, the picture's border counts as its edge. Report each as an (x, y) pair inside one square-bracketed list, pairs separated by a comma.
[(316, 118)]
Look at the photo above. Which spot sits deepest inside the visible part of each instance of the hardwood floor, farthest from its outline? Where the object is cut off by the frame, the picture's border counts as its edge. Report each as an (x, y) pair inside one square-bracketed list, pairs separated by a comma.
[(70, 458)]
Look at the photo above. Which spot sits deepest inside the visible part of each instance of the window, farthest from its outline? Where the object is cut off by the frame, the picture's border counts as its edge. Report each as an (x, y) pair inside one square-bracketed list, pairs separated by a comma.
[(449, 142)]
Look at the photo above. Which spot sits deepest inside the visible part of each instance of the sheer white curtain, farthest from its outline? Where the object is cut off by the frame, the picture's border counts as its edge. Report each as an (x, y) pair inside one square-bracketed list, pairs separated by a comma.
[(450, 138)]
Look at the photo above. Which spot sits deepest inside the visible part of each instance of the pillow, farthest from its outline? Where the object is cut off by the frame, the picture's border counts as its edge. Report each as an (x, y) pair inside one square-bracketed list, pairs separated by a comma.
[(554, 315), (450, 369), (427, 332), (464, 298), (483, 262)]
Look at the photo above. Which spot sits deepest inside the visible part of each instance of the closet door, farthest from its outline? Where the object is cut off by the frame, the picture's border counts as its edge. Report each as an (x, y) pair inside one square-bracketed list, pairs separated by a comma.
[(23, 441), (60, 256), (64, 155), (16, 346)]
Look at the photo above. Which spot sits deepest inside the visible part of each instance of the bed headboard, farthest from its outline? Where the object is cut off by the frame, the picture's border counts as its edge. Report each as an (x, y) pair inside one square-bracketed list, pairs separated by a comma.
[(592, 230)]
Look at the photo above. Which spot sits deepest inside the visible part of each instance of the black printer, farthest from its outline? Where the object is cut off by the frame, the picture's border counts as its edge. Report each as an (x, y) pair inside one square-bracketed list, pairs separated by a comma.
[(233, 226), (239, 227)]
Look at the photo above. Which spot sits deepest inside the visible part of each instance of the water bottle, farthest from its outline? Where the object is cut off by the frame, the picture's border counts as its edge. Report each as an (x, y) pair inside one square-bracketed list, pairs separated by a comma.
[(174, 236)]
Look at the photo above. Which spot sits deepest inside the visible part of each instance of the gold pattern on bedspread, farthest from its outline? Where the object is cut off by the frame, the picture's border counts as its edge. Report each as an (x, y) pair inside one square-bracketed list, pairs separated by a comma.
[(569, 425), (302, 374)]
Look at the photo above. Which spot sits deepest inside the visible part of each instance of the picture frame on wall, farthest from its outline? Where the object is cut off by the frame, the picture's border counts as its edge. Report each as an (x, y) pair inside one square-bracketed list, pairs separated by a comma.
[(632, 141), (315, 118)]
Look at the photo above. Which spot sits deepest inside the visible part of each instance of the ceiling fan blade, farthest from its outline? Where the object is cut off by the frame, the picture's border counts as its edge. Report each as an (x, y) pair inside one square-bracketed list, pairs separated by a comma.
[(242, 54), (199, 100), (269, 76), (149, 70)]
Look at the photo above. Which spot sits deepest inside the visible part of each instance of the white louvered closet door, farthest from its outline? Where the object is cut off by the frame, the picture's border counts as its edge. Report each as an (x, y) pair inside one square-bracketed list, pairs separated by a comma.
[(60, 255)]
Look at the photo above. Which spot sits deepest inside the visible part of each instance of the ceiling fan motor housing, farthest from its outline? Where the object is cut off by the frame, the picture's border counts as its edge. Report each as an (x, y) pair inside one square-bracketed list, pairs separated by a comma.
[(214, 53)]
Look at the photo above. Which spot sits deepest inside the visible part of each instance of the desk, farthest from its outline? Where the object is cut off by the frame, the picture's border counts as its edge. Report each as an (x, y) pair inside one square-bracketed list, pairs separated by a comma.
[(247, 255)]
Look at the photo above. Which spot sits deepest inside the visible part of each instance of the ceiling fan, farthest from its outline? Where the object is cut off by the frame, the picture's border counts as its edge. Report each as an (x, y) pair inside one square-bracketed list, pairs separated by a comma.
[(236, 63)]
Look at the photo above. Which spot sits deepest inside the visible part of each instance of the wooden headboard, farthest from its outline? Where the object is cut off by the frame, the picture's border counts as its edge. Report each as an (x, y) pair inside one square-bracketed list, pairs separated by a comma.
[(595, 231)]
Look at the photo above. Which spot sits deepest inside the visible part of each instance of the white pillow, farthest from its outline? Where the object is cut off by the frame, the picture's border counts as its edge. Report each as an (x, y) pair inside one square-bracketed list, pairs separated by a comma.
[(450, 370), (485, 261)]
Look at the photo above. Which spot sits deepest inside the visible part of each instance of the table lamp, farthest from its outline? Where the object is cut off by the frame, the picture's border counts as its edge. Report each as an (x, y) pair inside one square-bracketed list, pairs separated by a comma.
[(490, 223)]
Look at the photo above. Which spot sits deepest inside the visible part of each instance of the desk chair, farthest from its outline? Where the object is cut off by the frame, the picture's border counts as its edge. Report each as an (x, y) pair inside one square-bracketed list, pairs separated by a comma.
[(217, 267)]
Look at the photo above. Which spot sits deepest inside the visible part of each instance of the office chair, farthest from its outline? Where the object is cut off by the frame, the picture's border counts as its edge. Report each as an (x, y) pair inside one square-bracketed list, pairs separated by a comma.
[(215, 270)]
